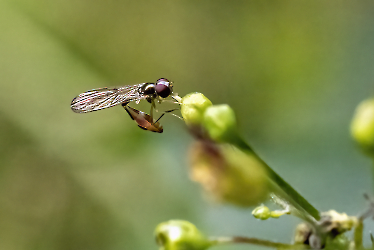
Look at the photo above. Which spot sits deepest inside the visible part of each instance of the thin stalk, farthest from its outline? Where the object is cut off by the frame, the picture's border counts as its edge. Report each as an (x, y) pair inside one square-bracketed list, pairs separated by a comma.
[(357, 236), (372, 170), (258, 242), (287, 192)]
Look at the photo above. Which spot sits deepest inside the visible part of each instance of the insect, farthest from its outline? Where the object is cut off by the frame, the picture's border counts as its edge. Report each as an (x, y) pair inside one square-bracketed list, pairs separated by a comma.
[(102, 98)]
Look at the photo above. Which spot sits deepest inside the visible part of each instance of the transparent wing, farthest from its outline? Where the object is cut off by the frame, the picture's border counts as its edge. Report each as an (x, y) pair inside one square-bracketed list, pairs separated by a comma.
[(103, 98)]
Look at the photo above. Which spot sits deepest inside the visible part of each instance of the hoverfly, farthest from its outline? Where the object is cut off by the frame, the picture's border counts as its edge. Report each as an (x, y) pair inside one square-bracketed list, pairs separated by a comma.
[(102, 98)]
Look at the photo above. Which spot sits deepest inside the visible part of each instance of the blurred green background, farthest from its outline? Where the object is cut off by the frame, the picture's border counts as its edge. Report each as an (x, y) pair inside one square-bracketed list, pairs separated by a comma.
[(293, 71)]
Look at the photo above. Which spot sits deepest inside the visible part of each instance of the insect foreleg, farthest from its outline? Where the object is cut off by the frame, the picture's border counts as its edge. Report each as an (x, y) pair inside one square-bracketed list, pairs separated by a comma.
[(169, 111)]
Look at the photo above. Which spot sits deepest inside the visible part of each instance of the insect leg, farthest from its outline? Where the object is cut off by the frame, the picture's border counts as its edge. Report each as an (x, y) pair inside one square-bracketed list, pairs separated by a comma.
[(153, 106), (171, 101), (177, 98), (169, 111)]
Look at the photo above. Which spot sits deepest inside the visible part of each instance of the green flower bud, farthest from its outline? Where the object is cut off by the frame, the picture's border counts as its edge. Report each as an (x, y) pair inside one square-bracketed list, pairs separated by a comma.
[(228, 174), (362, 127), (340, 242), (193, 107), (220, 122), (261, 212), (180, 235)]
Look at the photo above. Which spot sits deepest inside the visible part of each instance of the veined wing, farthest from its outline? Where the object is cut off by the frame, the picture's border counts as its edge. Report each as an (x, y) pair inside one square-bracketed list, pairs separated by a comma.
[(102, 98)]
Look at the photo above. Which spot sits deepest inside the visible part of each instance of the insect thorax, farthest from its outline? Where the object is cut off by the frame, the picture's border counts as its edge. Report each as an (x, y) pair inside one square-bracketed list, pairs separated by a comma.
[(148, 89)]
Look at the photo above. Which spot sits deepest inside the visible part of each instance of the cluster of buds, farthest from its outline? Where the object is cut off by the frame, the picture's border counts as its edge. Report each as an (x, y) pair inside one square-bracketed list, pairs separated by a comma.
[(331, 226), (227, 173), (232, 173)]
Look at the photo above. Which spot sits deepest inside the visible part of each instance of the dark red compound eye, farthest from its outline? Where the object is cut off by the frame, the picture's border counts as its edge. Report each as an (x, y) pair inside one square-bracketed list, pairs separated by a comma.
[(163, 87)]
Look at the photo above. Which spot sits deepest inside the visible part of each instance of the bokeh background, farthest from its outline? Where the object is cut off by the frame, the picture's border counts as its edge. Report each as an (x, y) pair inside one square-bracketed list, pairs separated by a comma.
[(293, 71)]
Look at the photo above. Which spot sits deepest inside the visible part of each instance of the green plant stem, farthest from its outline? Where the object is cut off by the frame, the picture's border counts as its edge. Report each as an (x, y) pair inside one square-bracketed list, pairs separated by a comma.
[(357, 236), (258, 242), (372, 169), (306, 210)]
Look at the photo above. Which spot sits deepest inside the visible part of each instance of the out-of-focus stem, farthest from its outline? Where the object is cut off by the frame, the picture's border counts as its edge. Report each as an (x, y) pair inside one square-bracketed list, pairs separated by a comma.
[(358, 234), (259, 242), (372, 170)]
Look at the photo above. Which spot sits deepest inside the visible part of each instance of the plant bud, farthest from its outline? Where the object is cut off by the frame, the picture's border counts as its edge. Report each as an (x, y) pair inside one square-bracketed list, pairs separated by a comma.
[(362, 127), (220, 122), (261, 212), (228, 174), (193, 107), (180, 235)]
